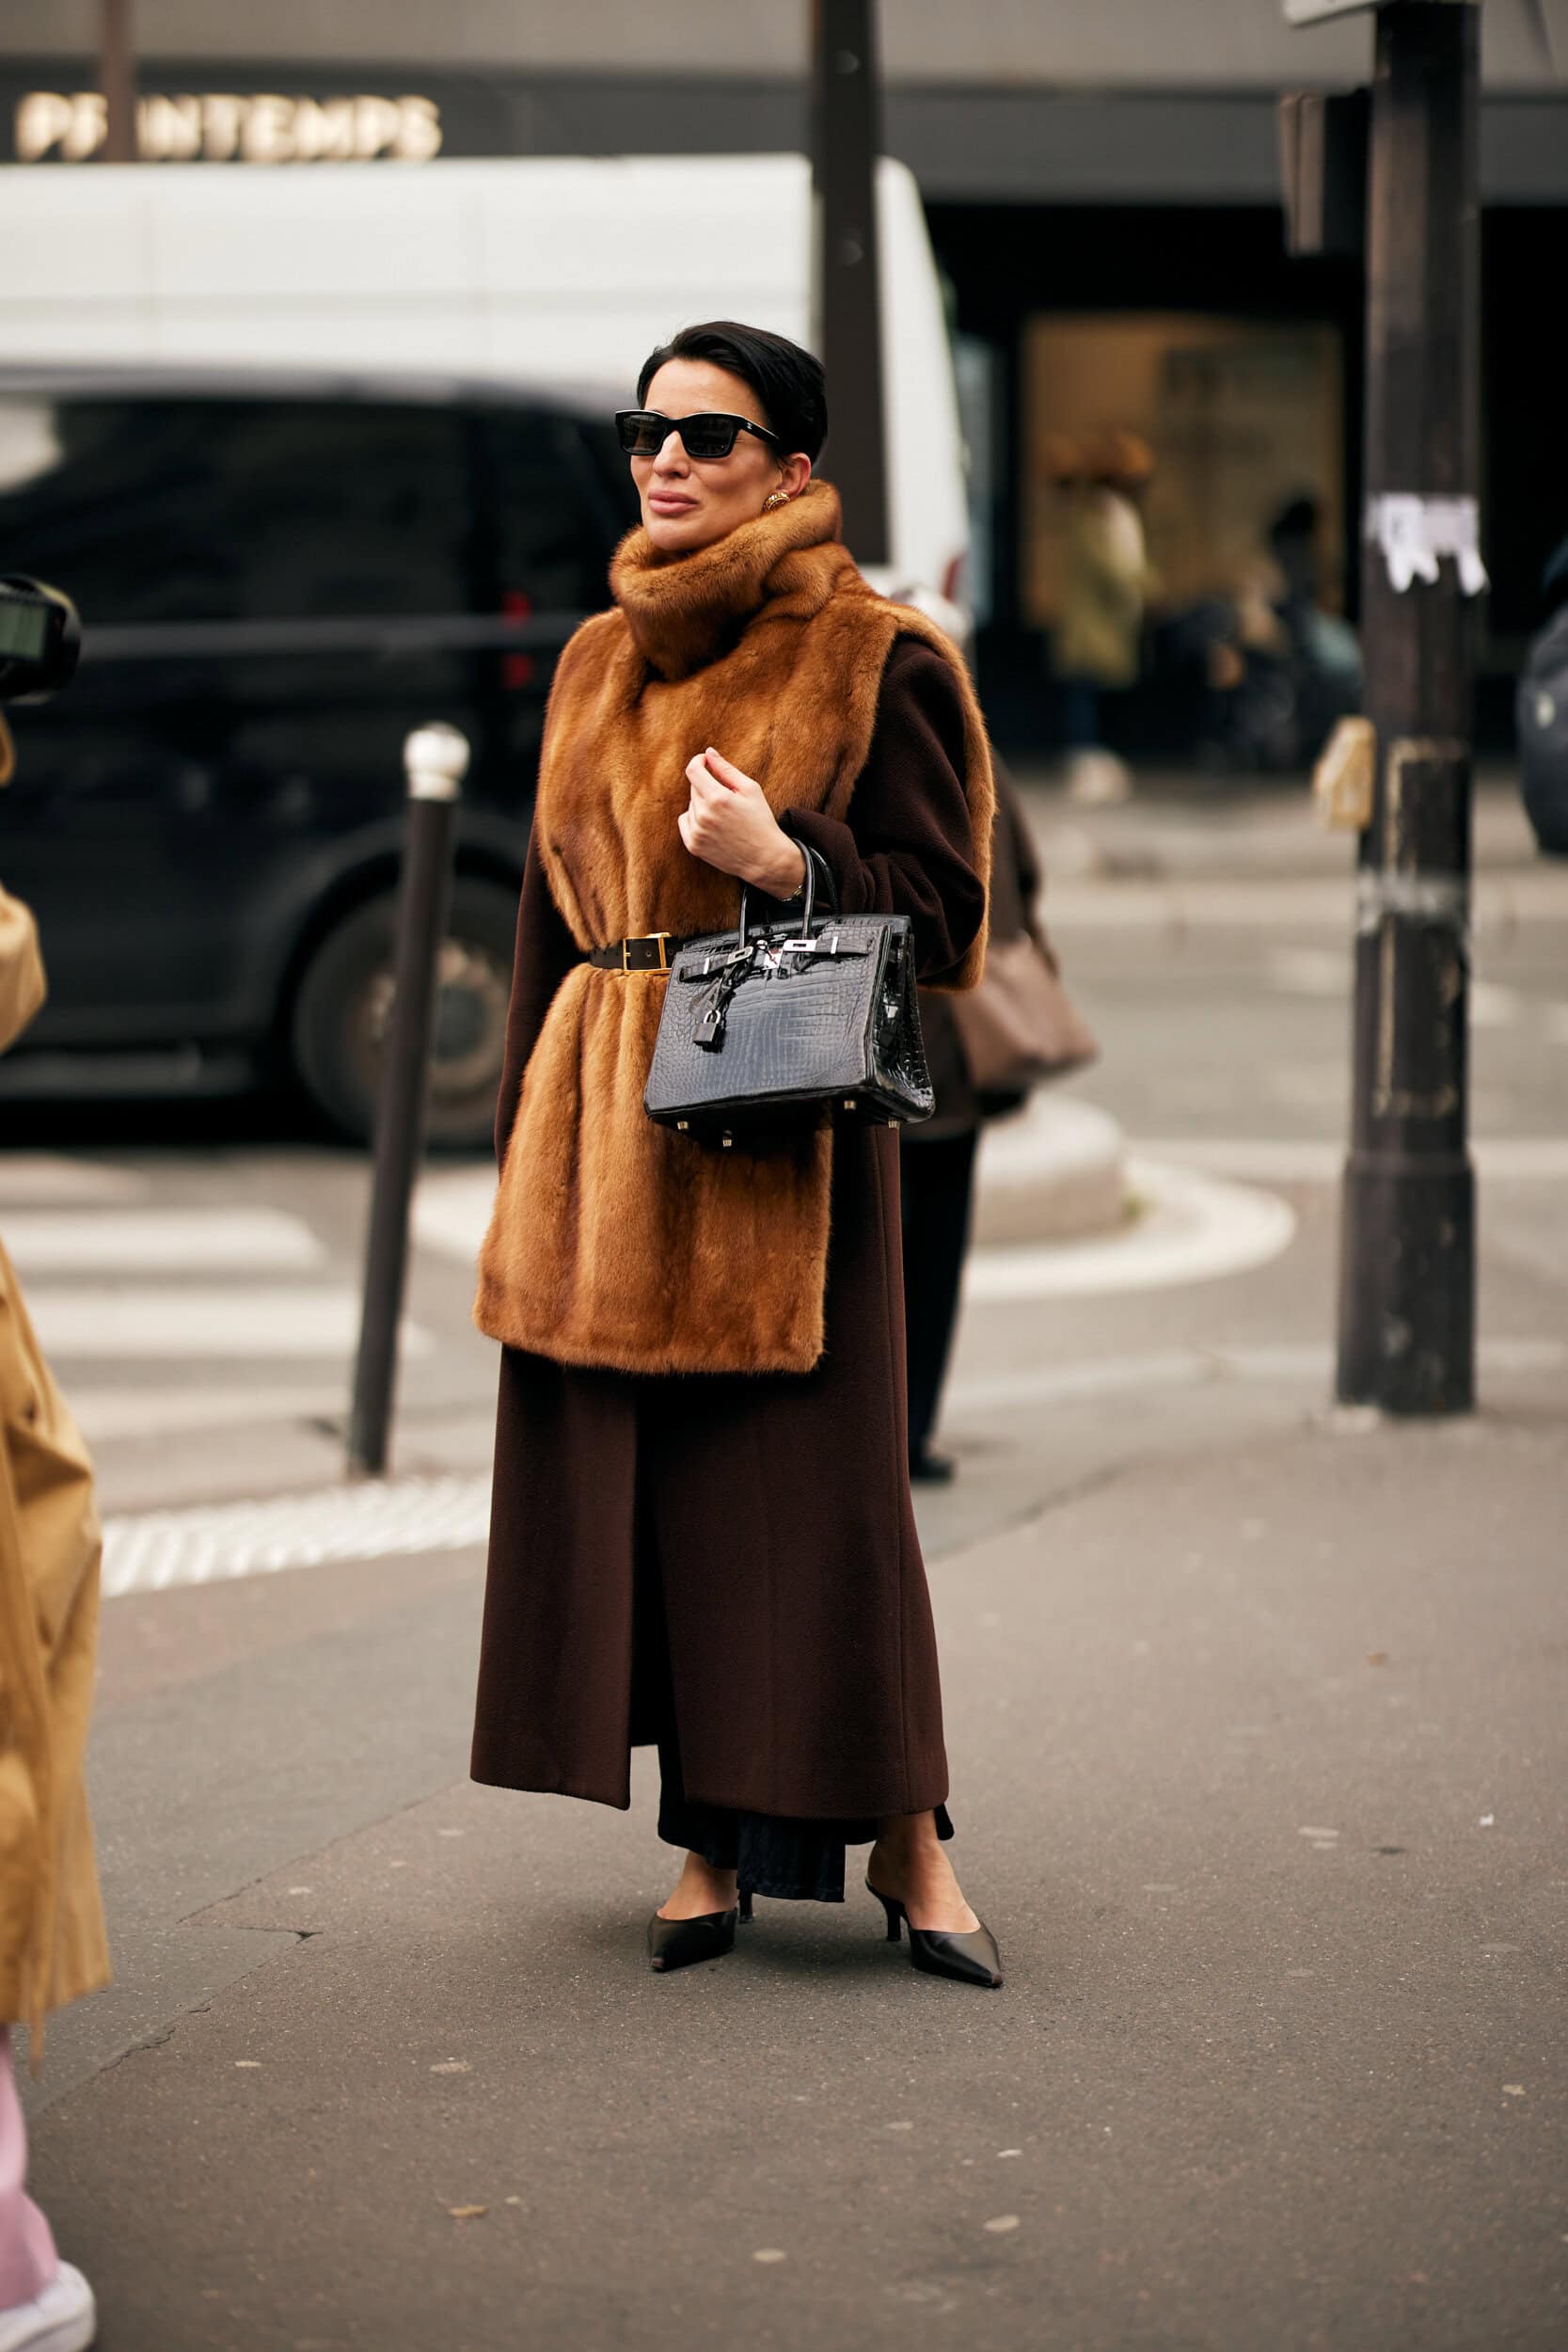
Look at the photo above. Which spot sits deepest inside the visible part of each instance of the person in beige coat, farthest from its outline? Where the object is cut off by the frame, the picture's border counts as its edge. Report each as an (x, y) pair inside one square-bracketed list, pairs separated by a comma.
[(1097, 645), (52, 1941)]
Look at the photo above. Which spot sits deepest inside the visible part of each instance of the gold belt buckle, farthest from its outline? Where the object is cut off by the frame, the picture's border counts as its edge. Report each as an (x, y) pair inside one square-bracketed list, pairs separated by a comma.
[(626, 945)]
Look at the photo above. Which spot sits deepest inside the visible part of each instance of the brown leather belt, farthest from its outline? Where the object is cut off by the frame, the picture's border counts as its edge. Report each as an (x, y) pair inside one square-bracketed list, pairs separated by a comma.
[(653, 952)]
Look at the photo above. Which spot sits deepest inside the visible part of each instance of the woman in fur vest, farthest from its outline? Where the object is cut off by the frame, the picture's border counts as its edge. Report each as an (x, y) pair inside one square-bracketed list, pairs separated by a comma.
[(702, 1534)]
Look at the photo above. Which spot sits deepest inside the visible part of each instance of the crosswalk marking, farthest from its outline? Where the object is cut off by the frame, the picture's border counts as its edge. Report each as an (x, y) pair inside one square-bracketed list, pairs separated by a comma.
[(94, 1251), (104, 1414), (55, 1182), (223, 1322), (153, 1550), (160, 1241)]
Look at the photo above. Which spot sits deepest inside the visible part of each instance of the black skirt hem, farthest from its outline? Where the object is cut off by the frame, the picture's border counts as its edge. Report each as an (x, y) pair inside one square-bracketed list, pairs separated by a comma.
[(785, 1860)]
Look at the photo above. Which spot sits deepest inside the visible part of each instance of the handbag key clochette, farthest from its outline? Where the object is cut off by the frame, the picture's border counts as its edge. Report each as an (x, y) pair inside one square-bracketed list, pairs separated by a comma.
[(769, 1028)]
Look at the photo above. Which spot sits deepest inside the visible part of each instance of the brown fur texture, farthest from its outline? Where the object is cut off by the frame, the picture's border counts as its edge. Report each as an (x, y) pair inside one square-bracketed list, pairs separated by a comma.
[(616, 1242)]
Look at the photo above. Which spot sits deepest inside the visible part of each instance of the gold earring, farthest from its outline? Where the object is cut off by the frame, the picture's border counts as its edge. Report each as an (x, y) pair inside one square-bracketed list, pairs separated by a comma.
[(775, 498)]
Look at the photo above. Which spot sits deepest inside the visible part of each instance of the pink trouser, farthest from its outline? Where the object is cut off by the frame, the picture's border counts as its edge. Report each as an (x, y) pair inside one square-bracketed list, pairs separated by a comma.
[(27, 2256)]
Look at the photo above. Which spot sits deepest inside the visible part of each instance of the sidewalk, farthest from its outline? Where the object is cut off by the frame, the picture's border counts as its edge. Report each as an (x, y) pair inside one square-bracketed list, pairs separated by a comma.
[(1258, 1757), (1256, 1723)]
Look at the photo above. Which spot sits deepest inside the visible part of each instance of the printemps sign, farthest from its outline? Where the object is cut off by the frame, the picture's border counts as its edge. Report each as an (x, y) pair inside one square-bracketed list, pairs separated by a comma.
[(225, 127)]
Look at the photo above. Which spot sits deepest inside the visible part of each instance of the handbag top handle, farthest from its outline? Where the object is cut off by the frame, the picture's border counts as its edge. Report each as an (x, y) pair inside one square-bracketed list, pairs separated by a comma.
[(809, 886)]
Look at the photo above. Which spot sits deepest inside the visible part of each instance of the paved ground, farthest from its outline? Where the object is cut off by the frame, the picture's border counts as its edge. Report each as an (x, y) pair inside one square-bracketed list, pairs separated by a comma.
[(1256, 1715)]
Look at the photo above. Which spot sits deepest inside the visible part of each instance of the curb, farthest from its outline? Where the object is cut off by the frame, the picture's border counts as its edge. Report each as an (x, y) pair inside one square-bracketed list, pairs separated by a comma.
[(1057, 1173)]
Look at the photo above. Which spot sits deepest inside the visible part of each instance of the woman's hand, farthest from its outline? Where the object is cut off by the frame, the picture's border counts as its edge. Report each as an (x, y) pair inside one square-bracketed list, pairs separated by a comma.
[(728, 823)]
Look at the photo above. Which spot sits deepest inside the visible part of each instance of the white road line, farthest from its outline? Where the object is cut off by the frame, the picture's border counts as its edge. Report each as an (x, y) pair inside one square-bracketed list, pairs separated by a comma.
[(161, 1241), (1302, 1160), (1316, 972), (451, 1211), (54, 1182), (1310, 972), (106, 1414), (1533, 1159), (217, 1321), (1193, 1229), (1253, 1159), (1199, 1367), (1495, 1008), (154, 1550), (1501, 902)]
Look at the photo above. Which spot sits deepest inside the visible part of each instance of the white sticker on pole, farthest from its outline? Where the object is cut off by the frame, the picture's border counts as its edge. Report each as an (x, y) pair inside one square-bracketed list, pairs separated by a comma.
[(1416, 532)]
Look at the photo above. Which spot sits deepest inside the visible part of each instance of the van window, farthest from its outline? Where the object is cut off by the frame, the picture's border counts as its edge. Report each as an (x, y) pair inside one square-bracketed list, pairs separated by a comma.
[(170, 509), (554, 521)]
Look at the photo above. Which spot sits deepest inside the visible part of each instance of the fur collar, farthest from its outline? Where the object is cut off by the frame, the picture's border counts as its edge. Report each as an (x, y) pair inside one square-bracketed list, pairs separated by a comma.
[(616, 1242), (686, 611)]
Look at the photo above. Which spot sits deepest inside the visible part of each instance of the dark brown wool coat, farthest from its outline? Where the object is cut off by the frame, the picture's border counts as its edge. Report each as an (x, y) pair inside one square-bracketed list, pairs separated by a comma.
[(733, 1556)]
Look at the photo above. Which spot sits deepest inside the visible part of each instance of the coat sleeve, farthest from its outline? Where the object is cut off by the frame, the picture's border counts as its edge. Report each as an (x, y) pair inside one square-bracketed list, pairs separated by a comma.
[(905, 846), (545, 952)]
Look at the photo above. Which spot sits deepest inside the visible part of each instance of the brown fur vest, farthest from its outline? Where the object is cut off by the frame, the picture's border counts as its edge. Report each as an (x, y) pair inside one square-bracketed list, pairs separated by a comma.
[(616, 1242)]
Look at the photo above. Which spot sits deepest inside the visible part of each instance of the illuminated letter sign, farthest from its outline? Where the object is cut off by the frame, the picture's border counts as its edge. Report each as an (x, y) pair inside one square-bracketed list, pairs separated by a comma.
[(221, 127)]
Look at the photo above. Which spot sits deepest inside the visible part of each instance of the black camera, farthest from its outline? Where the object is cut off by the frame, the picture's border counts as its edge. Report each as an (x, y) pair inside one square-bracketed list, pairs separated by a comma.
[(40, 637)]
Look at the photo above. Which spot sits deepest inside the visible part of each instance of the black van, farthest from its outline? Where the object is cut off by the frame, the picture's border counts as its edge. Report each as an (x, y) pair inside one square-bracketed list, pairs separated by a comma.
[(280, 576)]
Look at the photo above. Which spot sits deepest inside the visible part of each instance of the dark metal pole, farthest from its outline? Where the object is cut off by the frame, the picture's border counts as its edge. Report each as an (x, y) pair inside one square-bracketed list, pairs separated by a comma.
[(1407, 1263), (435, 759), (846, 264), (118, 69)]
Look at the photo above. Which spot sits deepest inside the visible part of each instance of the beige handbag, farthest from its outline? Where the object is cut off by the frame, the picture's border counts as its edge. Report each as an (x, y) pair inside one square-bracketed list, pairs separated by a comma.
[(1019, 1027)]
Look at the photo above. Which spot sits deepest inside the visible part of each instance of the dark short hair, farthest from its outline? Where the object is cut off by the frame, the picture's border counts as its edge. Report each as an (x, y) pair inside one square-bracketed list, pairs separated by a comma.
[(788, 382)]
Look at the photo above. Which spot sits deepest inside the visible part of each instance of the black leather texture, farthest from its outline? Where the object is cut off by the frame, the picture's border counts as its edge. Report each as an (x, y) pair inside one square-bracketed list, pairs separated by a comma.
[(791, 1038)]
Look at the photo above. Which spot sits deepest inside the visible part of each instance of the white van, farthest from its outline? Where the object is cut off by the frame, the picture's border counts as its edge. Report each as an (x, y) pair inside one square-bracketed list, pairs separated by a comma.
[(560, 272)]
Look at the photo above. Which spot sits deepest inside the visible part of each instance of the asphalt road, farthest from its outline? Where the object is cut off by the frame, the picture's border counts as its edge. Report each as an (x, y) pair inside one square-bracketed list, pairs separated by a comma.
[(1256, 1715)]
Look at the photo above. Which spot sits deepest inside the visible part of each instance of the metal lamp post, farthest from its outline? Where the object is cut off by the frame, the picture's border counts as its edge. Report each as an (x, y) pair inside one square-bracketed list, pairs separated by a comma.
[(847, 278), (1406, 1318)]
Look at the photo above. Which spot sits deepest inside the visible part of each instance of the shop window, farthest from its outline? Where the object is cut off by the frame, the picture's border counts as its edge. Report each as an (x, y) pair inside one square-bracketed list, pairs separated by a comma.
[(1241, 417)]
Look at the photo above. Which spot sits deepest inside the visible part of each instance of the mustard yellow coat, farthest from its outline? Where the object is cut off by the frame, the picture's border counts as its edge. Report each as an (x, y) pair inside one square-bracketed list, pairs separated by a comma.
[(52, 1944)]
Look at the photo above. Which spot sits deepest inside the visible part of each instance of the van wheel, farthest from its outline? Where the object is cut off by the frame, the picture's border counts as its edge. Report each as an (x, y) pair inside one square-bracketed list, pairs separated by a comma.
[(345, 1000)]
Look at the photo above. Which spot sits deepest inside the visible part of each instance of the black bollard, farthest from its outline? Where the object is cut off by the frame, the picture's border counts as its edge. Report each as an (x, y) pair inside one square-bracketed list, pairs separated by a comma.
[(435, 758)]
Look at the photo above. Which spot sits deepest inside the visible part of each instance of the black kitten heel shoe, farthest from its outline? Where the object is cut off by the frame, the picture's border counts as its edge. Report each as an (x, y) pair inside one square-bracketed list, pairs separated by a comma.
[(681, 1943), (967, 1954)]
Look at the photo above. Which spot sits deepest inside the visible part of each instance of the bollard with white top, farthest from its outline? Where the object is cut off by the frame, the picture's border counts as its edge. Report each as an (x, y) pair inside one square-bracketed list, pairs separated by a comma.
[(435, 759)]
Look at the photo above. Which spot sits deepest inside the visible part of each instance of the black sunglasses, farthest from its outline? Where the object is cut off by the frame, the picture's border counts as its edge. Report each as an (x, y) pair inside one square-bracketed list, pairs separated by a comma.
[(645, 431)]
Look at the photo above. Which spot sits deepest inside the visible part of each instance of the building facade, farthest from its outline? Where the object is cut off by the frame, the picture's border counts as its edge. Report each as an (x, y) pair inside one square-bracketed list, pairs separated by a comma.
[(1102, 188)]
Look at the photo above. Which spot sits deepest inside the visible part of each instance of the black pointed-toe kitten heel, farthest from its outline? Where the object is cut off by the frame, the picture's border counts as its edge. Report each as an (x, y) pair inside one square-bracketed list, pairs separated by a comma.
[(969, 1955), (680, 1943)]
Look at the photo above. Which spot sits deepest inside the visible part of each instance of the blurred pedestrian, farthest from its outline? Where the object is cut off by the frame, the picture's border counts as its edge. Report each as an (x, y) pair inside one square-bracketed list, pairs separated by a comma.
[(1274, 670), (986, 1050), (1099, 634), (52, 1946), (702, 1533)]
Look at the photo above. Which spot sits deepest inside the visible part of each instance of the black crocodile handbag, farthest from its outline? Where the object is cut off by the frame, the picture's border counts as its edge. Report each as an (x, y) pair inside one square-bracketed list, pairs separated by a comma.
[(771, 1029)]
